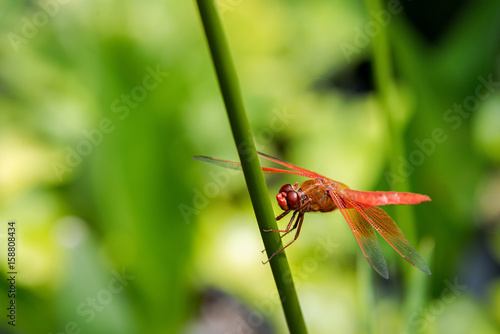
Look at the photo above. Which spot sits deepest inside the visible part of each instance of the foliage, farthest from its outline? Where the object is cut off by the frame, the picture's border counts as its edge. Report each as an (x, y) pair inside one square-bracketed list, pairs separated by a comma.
[(104, 103)]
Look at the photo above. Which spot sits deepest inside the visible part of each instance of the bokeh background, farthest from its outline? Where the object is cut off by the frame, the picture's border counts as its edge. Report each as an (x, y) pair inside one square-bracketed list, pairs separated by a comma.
[(119, 230)]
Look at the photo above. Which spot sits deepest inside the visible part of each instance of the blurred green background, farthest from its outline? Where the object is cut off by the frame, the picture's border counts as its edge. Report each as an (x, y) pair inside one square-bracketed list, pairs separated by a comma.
[(119, 230)]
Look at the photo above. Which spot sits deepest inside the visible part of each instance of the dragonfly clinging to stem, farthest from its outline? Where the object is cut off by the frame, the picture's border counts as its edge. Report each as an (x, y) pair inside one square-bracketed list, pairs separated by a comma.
[(359, 208)]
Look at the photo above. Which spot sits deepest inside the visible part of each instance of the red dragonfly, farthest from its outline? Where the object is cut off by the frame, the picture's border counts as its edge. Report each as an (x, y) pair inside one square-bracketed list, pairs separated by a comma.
[(359, 208)]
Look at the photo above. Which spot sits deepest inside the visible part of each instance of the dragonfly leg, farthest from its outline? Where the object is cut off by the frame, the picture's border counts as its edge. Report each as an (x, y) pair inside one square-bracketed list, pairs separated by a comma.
[(287, 227), (300, 219), (287, 230), (283, 214)]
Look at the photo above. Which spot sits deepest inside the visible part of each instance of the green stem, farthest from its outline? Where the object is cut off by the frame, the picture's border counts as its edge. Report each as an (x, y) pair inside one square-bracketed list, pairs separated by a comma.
[(415, 282), (417, 288), (366, 296), (230, 89), (385, 88)]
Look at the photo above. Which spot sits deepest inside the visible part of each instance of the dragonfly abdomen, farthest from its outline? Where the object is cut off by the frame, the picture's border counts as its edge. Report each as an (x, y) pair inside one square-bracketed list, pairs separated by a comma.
[(376, 198)]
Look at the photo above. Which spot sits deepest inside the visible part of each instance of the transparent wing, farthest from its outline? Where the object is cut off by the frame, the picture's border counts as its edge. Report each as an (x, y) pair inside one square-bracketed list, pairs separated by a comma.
[(365, 235), (391, 232), (303, 171), (384, 225), (268, 170)]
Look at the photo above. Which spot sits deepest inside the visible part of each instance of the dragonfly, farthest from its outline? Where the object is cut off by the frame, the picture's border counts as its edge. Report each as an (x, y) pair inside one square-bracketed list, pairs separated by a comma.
[(359, 208)]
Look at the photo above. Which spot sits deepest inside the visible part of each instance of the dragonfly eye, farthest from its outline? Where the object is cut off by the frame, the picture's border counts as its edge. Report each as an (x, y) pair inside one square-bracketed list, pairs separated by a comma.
[(293, 199), (286, 188), (287, 198)]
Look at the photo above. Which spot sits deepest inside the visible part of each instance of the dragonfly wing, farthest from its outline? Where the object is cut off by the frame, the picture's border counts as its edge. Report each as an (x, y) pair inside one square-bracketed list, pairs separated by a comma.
[(219, 162), (237, 166), (387, 228), (391, 232), (303, 171), (365, 235)]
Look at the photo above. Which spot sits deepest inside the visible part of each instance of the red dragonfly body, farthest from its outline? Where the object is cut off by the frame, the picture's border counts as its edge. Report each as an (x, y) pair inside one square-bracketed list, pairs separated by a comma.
[(359, 208)]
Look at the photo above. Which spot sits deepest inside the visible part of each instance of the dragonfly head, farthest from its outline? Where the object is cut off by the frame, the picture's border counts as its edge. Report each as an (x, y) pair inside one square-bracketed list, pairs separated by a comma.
[(288, 198)]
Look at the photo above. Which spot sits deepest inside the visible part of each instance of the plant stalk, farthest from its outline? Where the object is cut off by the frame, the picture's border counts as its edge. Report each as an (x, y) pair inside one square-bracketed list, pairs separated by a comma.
[(415, 282), (243, 138), (383, 77)]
